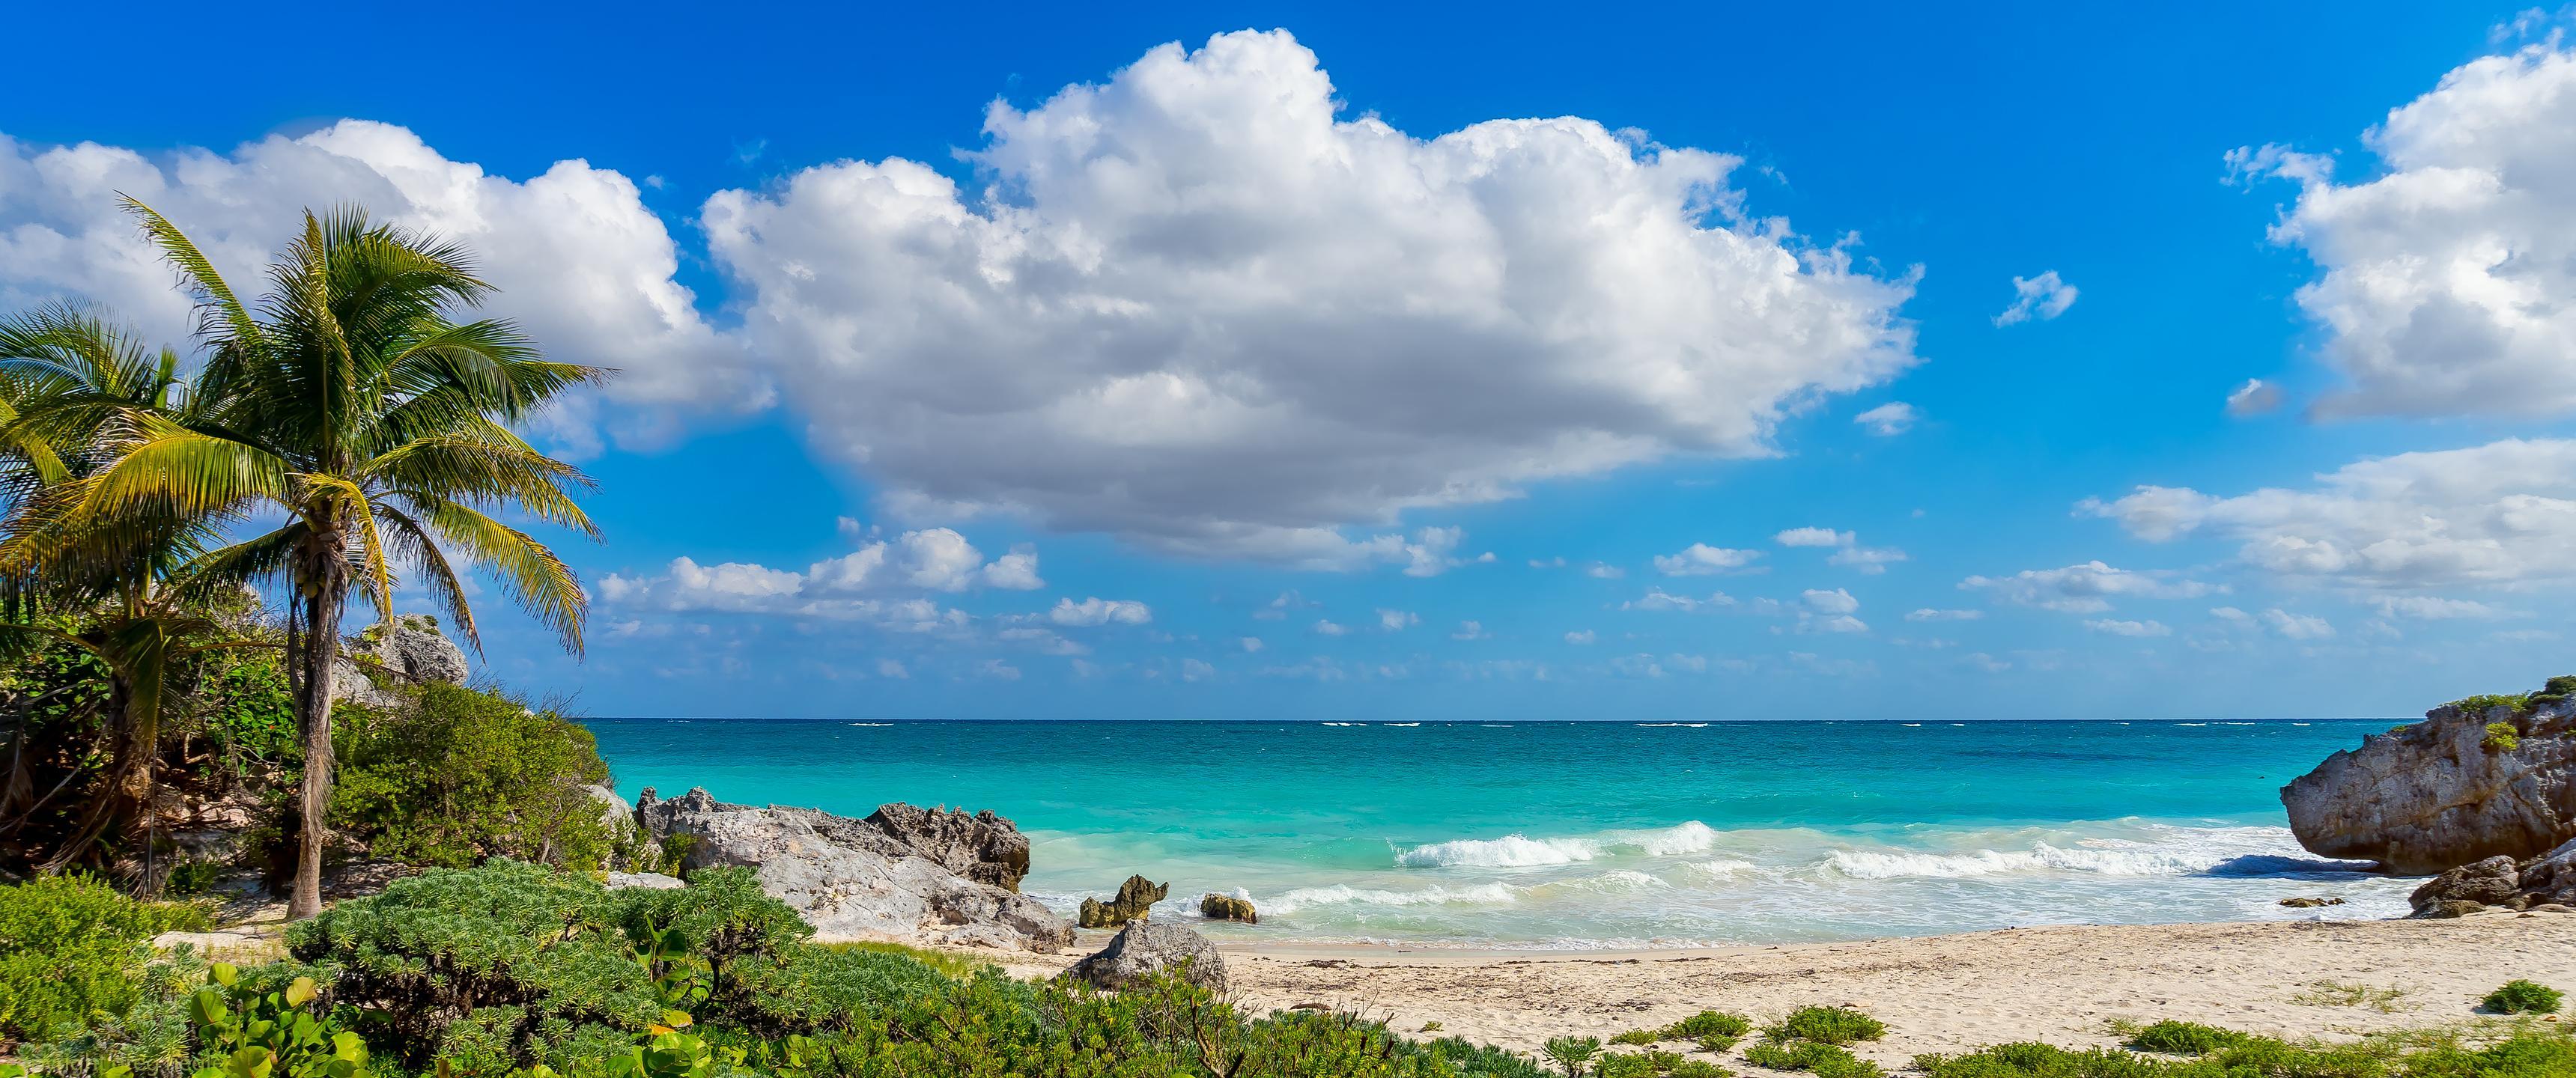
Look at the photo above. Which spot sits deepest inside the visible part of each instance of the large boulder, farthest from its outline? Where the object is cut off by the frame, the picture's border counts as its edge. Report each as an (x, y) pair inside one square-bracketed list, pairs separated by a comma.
[(1135, 897), (2500, 883), (982, 847), (1228, 908), (412, 651), (849, 878), (2447, 791), (1145, 948)]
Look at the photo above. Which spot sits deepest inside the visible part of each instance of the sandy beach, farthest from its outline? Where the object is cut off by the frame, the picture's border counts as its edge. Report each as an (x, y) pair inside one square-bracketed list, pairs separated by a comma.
[(2065, 985)]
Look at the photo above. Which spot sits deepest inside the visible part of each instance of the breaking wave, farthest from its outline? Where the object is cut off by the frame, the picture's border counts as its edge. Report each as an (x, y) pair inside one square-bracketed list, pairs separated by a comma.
[(1521, 851)]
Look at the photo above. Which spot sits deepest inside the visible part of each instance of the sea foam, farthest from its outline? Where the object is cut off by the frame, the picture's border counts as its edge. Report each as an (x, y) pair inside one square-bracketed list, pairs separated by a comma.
[(1522, 851)]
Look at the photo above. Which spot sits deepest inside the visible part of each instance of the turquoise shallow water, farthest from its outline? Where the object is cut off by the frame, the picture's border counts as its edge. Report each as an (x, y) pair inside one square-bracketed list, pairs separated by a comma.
[(1588, 835)]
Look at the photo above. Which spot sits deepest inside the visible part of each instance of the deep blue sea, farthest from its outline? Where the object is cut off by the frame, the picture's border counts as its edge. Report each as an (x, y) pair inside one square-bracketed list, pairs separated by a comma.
[(1588, 834)]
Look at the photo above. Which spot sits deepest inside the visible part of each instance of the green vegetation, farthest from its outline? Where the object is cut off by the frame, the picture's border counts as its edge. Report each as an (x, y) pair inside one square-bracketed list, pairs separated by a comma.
[(2523, 997), (71, 947), (2523, 1053), (1709, 1025), (1826, 1025), (2184, 1038), (2501, 737), (1637, 1036), (458, 775), (1824, 1060), (2486, 702), (2340, 994), (1572, 1053)]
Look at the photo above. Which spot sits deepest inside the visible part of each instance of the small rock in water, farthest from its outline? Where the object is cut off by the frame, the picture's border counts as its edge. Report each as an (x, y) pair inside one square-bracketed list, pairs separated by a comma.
[(1135, 897), (2306, 902), (1228, 908)]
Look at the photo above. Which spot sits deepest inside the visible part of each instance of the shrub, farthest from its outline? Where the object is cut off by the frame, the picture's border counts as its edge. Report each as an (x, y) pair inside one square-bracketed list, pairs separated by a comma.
[(286, 1032), (1637, 1036), (1824, 1060), (457, 775), (2486, 702), (2184, 1038), (1707, 1025), (71, 947), (1571, 1053), (1826, 1025), (2523, 997), (2501, 737), (496, 967), (1698, 1068)]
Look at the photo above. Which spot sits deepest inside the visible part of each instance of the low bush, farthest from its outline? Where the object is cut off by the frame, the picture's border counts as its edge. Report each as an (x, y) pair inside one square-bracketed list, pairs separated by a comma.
[(1821, 1059), (71, 947), (1698, 1068), (1707, 1025), (2524, 1054), (1637, 1036), (2523, 997), (2501, 737), (2486, 702), (456, 775), (1826, 1025), (1571, 1053), (2185, 1038)]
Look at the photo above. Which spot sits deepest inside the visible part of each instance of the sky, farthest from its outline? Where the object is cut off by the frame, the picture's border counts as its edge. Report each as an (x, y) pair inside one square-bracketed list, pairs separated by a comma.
[(1268, 361)]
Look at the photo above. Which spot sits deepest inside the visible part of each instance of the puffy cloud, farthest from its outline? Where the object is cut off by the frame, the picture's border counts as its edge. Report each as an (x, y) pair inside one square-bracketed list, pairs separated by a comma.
[(933, 559), (1395, 620), (1837, 601), (2255, 397), (1813, 537), (1579, 636), (2449, 280), (2130, 628), (1889, 420), (1930, 614), (2087, 588), (1701, 559), (1325, 627), (888, 668), (849, 587), (998, 670), (1098, 611), (2043, 297), (1470, 630), (580, 262), (1251, 644), (1603, 571), (2497, 514), (1194, 306), (1197, 670)]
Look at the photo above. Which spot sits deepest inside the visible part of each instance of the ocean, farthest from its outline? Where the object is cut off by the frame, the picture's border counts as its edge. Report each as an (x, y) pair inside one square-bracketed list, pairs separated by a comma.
[(1588, 835)]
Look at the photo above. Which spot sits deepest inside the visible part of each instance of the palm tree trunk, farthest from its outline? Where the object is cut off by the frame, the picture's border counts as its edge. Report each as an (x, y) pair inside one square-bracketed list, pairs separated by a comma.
[(128, 778), (322, 579)]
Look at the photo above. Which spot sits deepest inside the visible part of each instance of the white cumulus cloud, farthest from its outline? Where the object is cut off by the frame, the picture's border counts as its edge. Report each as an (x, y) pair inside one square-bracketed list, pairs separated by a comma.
[(2149, 627), (1889, 420), (2448, 280), (1701, 559), (1197, 306), (1098, 611), (2499, 514), (2087, 588)]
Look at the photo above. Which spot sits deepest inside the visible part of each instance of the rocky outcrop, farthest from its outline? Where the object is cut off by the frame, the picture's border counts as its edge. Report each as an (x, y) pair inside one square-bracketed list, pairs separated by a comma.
[(2310, 902), (2446, 791), (1144, 948), (853, 878), (982, 847), (2548, 880), (1135, 897), (413, 652), (1228, 908)]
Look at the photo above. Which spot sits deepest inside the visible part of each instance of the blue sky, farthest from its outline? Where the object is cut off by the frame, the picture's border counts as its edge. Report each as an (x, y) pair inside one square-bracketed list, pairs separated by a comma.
[(1795, 365)]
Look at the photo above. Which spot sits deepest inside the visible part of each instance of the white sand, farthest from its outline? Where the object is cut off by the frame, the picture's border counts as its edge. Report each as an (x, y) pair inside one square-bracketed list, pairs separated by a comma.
[(1944, 993)]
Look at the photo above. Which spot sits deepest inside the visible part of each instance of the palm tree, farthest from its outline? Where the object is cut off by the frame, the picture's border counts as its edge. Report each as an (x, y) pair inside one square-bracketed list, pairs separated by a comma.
[(70, 386), (352, 401)]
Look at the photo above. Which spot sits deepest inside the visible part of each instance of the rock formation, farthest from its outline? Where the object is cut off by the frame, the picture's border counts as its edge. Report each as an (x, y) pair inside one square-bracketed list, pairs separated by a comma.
[(2448, 791), (414, 652), (2546, 881), (1134, 899), (1228, 908), (856, 878), (1145, 948)]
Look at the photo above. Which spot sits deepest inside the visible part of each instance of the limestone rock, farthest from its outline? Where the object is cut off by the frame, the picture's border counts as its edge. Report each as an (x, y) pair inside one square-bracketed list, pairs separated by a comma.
[(416, 652), (848, 878), (1135, 898), (2305, 902), (1145, 948), (649, 881), (982, 847), (2449, 907), (2435, 795), (2494, 881), (2500, 883), (1228, 908)]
